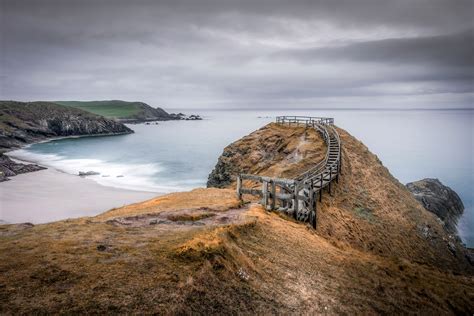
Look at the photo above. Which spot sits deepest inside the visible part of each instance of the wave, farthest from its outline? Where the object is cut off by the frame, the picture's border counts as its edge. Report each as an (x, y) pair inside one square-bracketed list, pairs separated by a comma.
[(131, 176)]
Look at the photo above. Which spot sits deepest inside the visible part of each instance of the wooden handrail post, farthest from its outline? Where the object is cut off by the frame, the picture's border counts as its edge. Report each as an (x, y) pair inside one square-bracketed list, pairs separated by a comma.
[(321, 190), (295, 202), (239, 187), (340, 159), (265, 194), (272, 206), (315, 209), (330, 180)]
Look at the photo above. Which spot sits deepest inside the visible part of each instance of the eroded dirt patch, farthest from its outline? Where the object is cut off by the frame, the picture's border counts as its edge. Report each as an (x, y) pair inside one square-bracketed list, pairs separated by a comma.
[(186, 217)]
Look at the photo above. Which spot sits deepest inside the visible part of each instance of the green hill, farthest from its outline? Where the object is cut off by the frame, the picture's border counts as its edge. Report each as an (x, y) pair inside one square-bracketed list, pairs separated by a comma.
[(122, 110)]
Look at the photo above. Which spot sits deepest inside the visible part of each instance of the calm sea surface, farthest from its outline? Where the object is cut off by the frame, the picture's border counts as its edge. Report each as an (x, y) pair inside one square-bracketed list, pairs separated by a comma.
[(178, 155)]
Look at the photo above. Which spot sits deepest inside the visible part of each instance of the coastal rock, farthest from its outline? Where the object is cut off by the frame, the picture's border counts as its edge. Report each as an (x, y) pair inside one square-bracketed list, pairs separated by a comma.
[(181, 116), (439, 200), (88, 173), (10, 168), (470, 255), (23, 123)]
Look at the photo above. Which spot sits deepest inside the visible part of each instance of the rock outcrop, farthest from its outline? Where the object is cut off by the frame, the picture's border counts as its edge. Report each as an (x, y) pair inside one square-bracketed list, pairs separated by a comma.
[(10, 168), (273, 150), (23, 123), (439, 200)]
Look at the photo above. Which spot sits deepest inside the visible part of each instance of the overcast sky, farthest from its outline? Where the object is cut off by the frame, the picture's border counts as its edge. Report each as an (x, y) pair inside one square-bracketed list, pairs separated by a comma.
[(240, 54)]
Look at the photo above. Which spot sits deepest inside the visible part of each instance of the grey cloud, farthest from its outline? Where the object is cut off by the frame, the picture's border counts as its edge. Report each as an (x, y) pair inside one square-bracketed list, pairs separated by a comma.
[(455, 50), (214, 53)]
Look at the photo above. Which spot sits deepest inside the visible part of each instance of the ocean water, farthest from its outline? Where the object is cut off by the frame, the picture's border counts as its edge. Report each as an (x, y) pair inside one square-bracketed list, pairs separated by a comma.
[(178, 155)]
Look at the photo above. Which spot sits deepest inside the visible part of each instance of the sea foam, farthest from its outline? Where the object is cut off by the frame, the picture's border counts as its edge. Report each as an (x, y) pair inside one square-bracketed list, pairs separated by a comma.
[(132, 176)]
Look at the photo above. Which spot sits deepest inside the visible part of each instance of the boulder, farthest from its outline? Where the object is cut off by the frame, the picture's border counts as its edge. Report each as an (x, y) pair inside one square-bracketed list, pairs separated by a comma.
[(439, 200)]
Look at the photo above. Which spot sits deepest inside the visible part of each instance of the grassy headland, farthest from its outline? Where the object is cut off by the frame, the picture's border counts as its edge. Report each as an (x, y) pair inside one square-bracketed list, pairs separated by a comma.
[(22, 123), (120, 110), (376, 250), (110, 109)]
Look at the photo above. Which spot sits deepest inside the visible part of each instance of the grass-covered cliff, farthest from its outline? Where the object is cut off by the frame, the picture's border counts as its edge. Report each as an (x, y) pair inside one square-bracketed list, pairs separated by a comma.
[(22, 123), (375, 250), (121, 110)]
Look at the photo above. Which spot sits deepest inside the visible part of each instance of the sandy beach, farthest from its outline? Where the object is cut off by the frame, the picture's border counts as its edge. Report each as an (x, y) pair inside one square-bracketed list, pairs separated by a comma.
[(50, 195)]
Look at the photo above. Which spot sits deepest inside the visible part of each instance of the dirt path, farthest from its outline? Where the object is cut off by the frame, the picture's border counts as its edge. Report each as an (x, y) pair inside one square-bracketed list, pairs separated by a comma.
[(183, 218)]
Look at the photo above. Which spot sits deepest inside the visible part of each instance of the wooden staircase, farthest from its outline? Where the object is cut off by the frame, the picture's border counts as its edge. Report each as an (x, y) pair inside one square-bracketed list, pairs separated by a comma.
[(299, 197)]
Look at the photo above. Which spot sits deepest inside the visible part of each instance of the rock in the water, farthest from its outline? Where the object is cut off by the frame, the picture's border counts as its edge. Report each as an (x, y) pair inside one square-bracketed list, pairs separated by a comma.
[(88, 173), (181, 116), (440, 200)]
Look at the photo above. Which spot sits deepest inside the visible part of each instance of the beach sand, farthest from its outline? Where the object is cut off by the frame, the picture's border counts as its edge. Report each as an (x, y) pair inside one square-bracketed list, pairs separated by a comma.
[(49, 195)]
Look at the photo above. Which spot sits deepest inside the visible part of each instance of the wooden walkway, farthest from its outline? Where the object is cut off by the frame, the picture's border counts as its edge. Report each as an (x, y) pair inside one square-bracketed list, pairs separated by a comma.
[(299, 197)]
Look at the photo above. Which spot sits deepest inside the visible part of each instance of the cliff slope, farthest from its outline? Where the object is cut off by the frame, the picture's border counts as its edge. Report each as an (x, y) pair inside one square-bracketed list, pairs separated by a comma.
[(376, 250), (22, 123)]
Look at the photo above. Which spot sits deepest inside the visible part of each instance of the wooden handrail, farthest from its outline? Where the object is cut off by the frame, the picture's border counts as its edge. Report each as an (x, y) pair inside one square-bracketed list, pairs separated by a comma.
[(298, 196)]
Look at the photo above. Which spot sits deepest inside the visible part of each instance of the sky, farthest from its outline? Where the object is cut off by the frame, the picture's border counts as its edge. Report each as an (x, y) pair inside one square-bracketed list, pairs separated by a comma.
[(242, 54)]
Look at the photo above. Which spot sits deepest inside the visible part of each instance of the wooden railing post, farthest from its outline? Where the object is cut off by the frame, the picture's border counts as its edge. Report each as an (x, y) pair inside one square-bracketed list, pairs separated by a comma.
[(315, 208), (265, 194), (239, 187), (272, 206), (321, 190), (340, 159), (295, 201), (330, 180)]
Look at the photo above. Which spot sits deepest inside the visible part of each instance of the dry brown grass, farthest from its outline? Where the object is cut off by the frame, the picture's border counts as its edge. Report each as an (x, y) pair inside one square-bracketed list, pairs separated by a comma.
[(215, 199), (273, 150), (367, 256)]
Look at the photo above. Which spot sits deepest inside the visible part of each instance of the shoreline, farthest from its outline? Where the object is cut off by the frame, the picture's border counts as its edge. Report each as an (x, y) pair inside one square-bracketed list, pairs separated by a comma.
[(50, 139), (50, 195), (25, 146), (55, 195)]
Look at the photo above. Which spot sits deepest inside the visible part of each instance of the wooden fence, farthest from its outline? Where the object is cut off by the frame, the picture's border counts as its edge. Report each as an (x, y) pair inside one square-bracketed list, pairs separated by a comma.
[(299, 197)]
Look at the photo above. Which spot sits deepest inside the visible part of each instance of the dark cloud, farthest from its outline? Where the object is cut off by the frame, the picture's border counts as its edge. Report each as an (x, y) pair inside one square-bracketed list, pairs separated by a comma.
[(454, 50), (246, 53)]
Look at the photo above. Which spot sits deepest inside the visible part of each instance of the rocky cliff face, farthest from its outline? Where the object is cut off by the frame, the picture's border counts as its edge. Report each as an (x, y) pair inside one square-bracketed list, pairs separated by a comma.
[(10, 168), (22, 123), (439, 200)]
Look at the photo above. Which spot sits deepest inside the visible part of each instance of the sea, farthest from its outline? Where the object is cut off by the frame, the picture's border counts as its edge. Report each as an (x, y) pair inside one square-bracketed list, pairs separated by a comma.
[(179, 155)]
